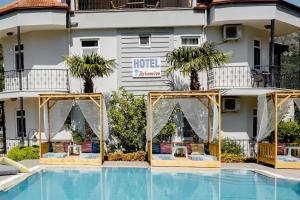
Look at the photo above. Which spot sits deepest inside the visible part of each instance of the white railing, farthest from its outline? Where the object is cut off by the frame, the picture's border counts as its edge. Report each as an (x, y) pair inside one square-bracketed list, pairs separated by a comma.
[(11, 143), (230, 77), (37, 79)]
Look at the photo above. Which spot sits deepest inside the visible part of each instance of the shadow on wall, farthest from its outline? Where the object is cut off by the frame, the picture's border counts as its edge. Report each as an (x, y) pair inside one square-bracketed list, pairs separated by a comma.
[(176, 83)]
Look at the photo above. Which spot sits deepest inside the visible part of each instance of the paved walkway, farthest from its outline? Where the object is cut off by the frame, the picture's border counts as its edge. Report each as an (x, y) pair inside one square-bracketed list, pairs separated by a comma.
[(282, 173)]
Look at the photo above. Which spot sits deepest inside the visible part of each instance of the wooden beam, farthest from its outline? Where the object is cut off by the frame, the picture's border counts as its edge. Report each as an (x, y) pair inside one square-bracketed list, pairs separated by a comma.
[(284, 100), (276, 128), (214, 101), (99, 105), (47, 99)]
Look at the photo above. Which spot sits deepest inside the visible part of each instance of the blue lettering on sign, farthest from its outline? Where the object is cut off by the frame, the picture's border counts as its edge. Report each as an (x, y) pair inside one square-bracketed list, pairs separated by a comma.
[(146, 63)]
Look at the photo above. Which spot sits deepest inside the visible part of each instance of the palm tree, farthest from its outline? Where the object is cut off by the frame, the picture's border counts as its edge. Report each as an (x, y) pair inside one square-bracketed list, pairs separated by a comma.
[(89, 67), (192, 60)]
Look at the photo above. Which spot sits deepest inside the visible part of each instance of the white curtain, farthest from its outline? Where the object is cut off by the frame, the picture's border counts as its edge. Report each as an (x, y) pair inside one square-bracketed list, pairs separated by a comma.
[(196, 114), (215, 120), (297, 101), (161, 113), (266, 115), (58, 115), (46, 125), (105, 121), (91, 113)]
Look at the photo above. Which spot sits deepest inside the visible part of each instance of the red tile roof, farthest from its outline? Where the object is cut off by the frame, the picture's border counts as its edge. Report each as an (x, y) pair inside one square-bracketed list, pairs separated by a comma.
[(220, 2), (32, 4)]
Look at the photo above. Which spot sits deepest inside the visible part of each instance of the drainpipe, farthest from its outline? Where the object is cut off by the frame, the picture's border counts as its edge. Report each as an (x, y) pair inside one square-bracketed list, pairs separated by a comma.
[(271, 53), (20, 70)]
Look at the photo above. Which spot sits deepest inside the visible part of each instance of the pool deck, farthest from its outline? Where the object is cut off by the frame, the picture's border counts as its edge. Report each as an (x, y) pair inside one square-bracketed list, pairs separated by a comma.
[(34, 165)]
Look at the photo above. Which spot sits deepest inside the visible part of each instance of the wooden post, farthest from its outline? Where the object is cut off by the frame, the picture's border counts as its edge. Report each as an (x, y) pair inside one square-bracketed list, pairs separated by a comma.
[(276, 128), (219, 124), (208, 121), (101, 128), (48, 113), (39, 125), (150, 128)]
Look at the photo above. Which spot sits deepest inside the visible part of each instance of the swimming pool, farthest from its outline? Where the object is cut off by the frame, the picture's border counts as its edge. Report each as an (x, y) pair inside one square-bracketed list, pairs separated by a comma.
[(146, 184)]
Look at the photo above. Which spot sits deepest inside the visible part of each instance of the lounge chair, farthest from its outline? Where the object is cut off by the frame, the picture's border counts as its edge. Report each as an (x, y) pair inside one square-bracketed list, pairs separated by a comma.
[(8, 170), (8, 167)]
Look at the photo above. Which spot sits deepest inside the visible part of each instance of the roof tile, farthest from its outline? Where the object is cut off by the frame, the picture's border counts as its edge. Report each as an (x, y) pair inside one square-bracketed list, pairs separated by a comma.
[(32, 4)]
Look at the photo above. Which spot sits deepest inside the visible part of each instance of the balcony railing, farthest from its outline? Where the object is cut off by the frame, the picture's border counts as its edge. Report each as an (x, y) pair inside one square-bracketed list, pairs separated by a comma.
[(130, 4), (249, 77), (37, 79)]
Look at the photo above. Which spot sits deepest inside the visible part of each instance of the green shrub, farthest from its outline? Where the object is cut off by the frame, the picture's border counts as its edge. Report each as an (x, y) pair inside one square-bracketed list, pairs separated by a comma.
[(288, 132), (127, 120), (120, 156), (232, 158), (167, 132), (231, 147), (19, 153)]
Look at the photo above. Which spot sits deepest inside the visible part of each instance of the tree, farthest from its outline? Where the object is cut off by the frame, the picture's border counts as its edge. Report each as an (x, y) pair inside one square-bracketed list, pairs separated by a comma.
[(89, 67), (127, 123), (192, 60), (1, 69)]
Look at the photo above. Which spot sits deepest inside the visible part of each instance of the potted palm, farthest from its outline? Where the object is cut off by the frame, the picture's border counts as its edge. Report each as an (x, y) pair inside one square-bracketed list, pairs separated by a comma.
[(88, 67), (192, 60)]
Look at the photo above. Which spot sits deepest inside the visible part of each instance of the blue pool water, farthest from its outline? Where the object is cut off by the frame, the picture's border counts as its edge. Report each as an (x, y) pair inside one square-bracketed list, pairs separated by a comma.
[(144, 184)]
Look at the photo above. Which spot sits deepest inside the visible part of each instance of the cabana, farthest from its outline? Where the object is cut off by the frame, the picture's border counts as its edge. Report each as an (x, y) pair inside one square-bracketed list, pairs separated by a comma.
[(195, 139), (73, 125), (273, 148)]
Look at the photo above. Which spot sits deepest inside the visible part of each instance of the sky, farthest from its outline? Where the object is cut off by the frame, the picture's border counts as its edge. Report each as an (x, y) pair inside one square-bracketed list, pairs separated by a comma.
[(3, 2)]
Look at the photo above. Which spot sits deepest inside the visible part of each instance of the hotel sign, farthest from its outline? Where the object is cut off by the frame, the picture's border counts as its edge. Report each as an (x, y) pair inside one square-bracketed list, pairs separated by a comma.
[(146, 67)]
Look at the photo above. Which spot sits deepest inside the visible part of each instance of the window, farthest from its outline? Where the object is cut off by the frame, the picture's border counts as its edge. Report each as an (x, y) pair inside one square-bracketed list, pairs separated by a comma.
[(89, 46), (190, 41), (19, 123), (256, 52), (144, 40), (17, 56)]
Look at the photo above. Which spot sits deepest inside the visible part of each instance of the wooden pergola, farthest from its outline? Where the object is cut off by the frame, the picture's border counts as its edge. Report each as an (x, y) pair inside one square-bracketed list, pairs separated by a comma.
[(49, 100), (214, 148), (268, 152)]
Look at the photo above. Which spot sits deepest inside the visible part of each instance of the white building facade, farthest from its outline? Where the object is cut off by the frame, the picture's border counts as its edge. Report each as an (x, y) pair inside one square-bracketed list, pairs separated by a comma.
[(142, 32)]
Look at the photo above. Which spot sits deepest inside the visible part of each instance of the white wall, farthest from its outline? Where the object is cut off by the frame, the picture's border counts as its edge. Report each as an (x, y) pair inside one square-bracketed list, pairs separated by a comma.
[(31, 112), (239, 124), (42, 49), (263, 36), (108, 49)]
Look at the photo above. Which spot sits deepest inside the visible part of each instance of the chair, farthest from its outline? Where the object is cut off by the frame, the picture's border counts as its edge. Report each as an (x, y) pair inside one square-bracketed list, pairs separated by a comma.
[(157, 5), (113, 6), (257, 77)]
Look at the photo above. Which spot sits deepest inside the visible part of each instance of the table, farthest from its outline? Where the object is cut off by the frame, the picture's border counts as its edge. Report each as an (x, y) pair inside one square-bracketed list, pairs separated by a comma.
[(74, 146), (290, 150), (175, 148)]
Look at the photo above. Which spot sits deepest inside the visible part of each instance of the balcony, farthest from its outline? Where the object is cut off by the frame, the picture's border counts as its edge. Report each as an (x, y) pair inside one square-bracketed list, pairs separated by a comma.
[(229, 77), (130, 4), (37, 80)]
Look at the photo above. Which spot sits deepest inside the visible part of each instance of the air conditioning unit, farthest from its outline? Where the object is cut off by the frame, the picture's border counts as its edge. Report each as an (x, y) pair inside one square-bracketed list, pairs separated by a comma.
[(230, 104), (231, 32)]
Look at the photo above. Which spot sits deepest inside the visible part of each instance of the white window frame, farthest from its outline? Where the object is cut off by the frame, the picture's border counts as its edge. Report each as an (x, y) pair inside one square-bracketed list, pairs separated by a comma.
[(16, 117), (257, 47), (145, 34), (16, 51), (190, 37), (89, 48)]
